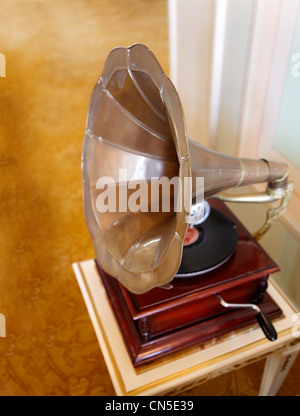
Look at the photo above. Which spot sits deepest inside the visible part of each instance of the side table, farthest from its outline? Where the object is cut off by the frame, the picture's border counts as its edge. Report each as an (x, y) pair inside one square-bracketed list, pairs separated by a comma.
[(185, 369)]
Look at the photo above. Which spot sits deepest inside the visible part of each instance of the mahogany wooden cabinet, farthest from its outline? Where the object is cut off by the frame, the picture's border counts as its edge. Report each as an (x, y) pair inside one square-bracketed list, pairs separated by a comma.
[(165, 320)]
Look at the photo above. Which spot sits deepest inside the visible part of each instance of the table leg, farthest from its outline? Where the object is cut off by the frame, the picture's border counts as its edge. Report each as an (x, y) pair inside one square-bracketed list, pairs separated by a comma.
[(276, 368)]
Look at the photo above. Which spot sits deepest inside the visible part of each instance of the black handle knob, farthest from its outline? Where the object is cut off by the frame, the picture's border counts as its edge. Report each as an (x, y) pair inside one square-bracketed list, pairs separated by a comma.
[(266, 325)]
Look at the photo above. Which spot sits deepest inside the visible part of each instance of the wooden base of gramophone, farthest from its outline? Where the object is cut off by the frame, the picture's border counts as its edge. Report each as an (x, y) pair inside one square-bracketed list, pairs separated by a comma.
[(167, 320)]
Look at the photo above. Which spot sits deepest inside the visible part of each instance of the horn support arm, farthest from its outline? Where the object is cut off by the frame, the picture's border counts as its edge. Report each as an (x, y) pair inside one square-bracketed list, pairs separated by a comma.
[(222, 172)]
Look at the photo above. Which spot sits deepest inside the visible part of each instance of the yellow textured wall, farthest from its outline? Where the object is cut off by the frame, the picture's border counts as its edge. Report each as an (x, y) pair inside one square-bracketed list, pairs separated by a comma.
[(54, 53)]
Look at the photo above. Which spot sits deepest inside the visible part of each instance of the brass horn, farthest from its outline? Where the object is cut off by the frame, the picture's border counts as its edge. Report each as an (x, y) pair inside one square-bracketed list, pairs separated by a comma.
[(135, 132)]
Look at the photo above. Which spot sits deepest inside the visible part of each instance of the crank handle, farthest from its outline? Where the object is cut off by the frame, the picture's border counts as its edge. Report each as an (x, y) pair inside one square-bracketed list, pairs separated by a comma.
[(261, 317)]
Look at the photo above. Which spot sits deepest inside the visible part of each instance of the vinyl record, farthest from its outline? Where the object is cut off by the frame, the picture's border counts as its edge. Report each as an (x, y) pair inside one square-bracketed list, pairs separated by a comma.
[(218, 237)]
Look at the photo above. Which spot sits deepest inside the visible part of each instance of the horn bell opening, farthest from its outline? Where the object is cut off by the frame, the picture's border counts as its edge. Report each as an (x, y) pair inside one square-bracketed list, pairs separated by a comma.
[(135, 132)]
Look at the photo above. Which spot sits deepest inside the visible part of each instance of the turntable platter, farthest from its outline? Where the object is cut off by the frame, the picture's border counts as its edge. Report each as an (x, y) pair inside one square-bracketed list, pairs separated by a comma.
[(217, 240)]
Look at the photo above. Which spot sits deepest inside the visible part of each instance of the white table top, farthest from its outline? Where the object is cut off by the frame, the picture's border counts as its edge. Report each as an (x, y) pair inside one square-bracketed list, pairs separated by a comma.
[(237, 348)]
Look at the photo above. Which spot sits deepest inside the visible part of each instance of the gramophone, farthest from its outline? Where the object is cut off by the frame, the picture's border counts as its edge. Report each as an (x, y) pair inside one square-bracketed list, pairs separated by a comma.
[(178, 266)]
